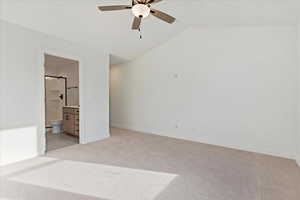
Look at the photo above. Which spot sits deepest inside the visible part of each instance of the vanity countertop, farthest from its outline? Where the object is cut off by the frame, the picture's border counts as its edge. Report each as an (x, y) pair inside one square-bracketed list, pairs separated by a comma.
[(71, 107)]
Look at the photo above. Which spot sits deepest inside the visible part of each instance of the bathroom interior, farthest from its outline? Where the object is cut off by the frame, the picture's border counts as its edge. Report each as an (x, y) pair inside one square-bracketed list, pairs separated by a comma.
[(62, 106)]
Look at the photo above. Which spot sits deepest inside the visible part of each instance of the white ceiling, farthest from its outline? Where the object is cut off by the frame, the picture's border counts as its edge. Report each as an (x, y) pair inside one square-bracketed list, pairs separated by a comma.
[(80, 21)]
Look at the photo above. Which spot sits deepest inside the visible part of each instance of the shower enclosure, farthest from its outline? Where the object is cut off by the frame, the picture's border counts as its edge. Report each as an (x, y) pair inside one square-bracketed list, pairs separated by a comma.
[(56, 98)]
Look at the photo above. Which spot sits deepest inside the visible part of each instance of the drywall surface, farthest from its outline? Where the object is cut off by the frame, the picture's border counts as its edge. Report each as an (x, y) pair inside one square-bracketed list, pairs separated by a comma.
[(232, 86), (1, 72), (298, 98), (22, 127), (1, 83)]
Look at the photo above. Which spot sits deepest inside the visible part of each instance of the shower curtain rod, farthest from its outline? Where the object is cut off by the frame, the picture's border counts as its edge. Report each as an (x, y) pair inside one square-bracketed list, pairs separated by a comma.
[(50, 76)]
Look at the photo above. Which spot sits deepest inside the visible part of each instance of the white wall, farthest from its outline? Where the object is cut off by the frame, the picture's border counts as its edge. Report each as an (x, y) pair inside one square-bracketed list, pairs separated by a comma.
[(298, 98), (232, 86), (22, 84), (1, 83), (1, 73)]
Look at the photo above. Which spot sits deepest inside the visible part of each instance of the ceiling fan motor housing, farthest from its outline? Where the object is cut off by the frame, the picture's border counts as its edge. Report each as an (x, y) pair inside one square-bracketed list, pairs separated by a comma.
[(141, 10)]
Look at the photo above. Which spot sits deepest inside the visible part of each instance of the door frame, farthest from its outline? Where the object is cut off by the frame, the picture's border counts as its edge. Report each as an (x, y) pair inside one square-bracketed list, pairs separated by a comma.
[(41, 62)]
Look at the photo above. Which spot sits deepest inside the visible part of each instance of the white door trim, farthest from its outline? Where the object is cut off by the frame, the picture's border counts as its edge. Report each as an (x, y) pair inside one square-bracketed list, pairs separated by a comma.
[(68, 55)]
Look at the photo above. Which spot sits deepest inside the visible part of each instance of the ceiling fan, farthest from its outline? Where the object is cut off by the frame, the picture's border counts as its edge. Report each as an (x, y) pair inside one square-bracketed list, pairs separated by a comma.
[(140, 9)]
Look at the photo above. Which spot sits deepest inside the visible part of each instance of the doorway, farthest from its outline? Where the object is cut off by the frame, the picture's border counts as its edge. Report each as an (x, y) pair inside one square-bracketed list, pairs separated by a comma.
[(62, 105)]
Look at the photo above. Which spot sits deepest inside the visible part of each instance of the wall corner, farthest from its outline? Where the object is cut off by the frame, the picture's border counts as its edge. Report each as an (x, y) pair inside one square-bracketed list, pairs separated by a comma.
[(298, 162)]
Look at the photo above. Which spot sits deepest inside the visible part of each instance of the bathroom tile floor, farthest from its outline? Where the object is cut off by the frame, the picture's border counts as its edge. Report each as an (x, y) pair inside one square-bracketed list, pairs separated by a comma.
[(59, 141)]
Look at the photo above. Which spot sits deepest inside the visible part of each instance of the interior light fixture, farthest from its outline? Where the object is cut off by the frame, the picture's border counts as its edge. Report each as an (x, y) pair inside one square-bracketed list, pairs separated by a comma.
[(140, 10)]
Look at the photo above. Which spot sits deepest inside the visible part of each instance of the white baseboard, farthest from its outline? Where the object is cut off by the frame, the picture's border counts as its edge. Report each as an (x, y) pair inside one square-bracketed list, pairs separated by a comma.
[(120, 126), (133, 128), (149, 130), (94, 139)]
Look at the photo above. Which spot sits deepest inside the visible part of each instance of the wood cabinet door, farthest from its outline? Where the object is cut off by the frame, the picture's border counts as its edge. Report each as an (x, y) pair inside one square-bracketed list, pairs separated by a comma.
[(69, 123)]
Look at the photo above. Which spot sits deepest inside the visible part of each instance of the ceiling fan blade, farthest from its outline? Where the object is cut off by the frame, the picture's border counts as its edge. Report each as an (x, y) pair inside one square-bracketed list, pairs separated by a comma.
[(163, 16), (111, 8), (137, 1), (136, 23), (153, 1)]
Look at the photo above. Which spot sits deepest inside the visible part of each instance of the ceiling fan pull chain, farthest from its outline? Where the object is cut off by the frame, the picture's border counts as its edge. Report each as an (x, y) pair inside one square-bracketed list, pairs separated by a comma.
[(140, 33)]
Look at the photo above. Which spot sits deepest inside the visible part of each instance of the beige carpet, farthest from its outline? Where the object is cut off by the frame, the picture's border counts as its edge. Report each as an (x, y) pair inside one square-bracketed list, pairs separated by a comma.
[(135, 166)]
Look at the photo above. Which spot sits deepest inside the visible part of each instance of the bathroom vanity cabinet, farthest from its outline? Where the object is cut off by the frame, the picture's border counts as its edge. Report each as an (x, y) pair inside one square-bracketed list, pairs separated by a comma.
[(71, 120)]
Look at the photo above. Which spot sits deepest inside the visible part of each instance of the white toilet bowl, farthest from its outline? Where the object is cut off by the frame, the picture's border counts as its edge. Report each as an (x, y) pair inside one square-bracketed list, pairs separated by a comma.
[(56, 127)]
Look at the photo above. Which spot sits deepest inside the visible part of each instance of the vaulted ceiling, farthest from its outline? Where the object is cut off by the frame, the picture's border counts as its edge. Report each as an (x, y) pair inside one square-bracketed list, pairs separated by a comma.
[(79, 20)]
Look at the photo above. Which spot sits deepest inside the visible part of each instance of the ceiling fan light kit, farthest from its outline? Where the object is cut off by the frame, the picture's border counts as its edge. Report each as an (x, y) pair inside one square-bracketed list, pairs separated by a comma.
[(140, 9)]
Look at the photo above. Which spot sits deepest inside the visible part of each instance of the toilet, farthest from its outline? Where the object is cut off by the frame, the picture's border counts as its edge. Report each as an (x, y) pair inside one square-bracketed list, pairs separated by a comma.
[(56, 127)]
